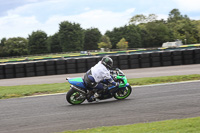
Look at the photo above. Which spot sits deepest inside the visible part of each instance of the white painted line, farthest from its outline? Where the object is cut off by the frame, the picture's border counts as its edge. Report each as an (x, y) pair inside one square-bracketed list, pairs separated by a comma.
[(42, 95)]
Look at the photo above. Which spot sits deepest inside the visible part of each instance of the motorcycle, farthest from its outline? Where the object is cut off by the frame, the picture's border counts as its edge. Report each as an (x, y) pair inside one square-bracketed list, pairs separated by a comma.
[(79, 92)]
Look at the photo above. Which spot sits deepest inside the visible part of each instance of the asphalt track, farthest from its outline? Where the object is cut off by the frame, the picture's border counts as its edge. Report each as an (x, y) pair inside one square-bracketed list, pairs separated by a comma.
[(48, 114), (130, 73)]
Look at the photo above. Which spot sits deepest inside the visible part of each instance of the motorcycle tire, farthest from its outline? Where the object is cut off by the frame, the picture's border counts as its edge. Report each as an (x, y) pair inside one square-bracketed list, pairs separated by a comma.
[(72, 97), (123, 94)]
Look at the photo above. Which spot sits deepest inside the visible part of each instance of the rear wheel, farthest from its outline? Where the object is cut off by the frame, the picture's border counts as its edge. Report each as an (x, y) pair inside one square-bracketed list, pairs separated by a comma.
[(74, 97), (123, 93)]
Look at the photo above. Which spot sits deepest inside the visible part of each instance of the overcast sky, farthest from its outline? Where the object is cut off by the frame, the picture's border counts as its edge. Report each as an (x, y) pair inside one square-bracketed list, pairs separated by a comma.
[(18, 18)]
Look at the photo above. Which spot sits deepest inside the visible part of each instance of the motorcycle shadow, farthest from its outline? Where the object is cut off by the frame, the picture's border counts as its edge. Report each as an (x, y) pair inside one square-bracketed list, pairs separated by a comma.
[(110, 101)]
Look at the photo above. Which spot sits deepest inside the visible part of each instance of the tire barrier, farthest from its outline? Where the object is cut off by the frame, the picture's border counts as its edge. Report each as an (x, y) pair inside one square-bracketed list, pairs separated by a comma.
[(177, 58), (40, 69), (60, 67), (188, 57), (81, 65), (197, 56), (19, 70), (70, 66), (9, 71), (155, 59), (50, 67), (134, 61), (145, 60), (123, 62), (2, 72), (166, 58), (30, 69)]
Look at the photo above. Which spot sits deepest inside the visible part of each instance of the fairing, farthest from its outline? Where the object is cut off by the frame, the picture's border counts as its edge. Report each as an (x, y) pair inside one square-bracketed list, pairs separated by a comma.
[(77, 82)]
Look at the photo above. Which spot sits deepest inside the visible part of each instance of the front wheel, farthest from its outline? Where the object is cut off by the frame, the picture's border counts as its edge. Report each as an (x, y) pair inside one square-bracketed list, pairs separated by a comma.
[(74, 97), (123, 93)]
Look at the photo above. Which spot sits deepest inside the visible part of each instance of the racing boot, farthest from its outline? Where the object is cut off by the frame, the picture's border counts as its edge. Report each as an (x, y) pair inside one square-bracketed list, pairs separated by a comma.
[(90, 96)]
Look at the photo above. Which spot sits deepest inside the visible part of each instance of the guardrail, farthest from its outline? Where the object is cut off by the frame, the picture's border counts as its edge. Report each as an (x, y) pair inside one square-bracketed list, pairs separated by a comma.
[(79, 65)]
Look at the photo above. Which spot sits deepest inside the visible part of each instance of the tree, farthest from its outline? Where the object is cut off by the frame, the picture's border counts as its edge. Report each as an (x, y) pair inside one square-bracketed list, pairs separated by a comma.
[(92, 38), (2, 42), (140, 18), (37, 42), (105, 42), (184, 29), (71, 36), (16, 46), (2, 52), (131, 33), (122, 44), (115, 35), (154, 34), (54, 43), (174, 15), (196, 24)]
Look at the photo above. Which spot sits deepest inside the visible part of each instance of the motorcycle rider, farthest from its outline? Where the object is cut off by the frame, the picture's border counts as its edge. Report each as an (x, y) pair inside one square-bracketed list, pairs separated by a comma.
[(98, 73)]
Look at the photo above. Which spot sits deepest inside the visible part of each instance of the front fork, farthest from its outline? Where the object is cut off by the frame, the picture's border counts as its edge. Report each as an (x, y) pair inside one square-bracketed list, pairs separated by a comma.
[(120, 88)]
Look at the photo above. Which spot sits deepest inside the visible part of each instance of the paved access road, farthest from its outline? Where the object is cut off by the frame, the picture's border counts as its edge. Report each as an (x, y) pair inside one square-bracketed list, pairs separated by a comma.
[(130, 73), (48, 114)]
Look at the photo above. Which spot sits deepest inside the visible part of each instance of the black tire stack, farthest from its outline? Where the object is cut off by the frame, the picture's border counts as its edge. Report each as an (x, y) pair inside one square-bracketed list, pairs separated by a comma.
[(134, 61), (40, 69), (30, 69), (145, 60), (70, 66), (50, 67), (155, 59), (81, 65), (188, 57), (197, 56), (2, 72), (166, 58), (177, 57), (60, 67), (9, 71), (124, 61), (20, 70)]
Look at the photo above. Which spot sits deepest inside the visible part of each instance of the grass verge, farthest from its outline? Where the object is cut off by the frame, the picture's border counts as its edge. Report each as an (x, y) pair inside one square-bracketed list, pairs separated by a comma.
[(190, 125), (28, 90)]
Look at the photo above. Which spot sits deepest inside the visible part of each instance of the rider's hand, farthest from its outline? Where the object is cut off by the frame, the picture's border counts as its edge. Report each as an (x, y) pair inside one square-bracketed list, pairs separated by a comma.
[(115, 78)]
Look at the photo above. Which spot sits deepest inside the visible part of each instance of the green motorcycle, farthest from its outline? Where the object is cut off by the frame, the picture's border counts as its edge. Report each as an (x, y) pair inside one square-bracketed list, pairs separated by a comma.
[(79, 92)]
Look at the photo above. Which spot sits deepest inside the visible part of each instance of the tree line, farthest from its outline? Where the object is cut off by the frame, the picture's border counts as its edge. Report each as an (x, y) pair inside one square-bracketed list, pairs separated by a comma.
[(140, 32)]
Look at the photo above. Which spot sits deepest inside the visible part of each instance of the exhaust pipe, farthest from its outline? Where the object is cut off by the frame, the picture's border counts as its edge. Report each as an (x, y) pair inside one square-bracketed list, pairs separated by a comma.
[(77, 89)]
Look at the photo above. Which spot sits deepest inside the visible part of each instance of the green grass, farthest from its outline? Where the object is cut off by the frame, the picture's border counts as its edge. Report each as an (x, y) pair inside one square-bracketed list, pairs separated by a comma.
[(28, 90), (163, 79), (190, 125)]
